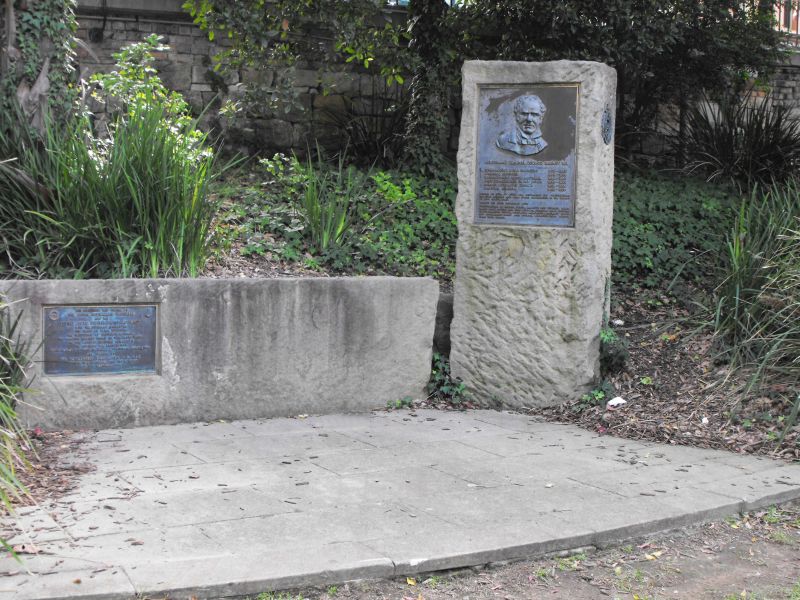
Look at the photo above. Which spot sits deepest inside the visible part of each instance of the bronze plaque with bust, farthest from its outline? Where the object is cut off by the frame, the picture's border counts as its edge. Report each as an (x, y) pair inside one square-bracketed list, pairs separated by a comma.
[(526, 158)]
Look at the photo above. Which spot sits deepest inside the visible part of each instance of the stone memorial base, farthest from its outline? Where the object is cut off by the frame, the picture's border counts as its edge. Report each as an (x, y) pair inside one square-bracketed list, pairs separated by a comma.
[(534, 208), (133, 352)]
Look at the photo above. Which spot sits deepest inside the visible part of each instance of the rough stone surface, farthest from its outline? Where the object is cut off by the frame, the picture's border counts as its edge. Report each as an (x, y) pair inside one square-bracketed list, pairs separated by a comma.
[(234, 349), (244, 507), (529, 301)]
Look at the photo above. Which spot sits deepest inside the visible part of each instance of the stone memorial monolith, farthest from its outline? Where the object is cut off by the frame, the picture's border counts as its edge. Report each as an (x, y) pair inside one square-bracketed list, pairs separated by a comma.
[(534, 208)]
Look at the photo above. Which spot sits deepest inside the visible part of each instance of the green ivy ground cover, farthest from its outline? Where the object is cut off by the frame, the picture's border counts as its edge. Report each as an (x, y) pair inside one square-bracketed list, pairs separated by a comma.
[(401, 224)]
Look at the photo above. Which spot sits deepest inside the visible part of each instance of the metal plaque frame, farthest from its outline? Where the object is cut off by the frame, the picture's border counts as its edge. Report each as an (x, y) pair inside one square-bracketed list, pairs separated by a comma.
[(526, 175), (101, 339)]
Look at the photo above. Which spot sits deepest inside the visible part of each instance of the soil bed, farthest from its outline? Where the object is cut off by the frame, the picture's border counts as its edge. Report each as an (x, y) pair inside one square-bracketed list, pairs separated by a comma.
[(676, 394)]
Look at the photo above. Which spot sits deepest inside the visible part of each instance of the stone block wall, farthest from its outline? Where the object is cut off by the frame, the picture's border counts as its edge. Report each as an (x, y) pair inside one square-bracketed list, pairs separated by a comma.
[(187, 67), (786, 83)]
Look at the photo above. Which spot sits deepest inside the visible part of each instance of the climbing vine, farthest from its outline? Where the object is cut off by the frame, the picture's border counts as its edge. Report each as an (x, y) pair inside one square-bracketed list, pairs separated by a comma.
[(37, 52)]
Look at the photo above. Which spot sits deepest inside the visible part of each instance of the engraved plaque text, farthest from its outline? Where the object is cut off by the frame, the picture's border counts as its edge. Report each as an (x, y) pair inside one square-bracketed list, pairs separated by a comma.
[(98, 340), (526, 157)]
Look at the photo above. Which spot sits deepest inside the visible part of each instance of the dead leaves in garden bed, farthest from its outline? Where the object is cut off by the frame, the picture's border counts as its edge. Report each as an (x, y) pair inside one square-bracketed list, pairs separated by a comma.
[(675, 393), (47, 476)]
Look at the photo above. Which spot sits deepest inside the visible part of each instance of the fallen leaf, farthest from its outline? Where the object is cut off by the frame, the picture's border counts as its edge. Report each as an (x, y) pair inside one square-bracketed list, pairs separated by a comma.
[(411, 581)]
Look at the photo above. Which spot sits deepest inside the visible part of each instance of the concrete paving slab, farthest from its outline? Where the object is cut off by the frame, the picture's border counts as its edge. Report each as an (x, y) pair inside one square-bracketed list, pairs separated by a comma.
[(530, 468), (378, 486), (293, 445), (148, 546), (395, 435), (485, 508), (633, 517), (161, 510), (90, 584), (516, 422), (33, 528), (118, 456), (238, 508), (258, 474), (662, 478), (272, 426), (101, 485), (272, 569), (190, 432), (759, 489), (451, 547), (386, 459)]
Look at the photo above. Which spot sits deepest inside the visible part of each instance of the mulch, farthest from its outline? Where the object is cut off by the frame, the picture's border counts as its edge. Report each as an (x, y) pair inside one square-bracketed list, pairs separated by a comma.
[(677, 392), (47, 476)]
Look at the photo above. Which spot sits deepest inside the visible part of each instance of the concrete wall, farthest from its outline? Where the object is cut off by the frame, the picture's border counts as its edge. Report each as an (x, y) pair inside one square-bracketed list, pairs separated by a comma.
[(242, 348)]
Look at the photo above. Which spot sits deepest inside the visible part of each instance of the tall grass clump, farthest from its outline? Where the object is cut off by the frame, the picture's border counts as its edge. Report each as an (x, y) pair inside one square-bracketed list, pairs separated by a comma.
[(757, 317), (744, 139), (13, 362), (326, 199), (127, 202)]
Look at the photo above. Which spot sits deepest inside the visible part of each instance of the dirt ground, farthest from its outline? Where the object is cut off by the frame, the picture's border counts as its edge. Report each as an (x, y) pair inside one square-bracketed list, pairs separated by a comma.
[(756, 557)]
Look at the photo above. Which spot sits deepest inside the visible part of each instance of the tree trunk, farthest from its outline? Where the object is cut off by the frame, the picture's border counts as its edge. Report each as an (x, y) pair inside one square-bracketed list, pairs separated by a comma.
[(34, 96), (427, 126)]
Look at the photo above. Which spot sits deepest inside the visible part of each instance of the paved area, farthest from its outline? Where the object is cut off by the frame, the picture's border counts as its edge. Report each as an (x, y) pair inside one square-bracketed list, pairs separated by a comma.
[(209, 510)]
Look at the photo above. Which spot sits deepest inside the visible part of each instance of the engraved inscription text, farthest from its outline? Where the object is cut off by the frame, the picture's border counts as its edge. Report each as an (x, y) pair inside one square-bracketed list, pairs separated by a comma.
[(526, 159), (95, 340)]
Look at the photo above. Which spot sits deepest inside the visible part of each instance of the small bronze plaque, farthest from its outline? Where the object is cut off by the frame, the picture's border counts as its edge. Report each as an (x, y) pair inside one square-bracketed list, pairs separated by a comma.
[(100, 340), (526, 158)]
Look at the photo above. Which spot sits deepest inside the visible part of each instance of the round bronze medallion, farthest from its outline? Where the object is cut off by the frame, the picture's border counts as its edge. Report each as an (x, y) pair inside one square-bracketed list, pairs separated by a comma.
[(607, 125)]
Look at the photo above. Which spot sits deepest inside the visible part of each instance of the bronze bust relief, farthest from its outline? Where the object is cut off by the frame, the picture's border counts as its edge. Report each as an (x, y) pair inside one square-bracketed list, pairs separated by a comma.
[(526, 137)]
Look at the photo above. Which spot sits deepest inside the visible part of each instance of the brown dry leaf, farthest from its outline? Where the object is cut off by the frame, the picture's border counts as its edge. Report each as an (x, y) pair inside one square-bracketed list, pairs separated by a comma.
[(26, 549)]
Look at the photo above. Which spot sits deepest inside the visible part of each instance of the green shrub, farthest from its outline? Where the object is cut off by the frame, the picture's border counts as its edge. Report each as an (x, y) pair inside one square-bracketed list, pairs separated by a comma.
[(396, 224), (132, 203), (666, 227), (442, 386), (410, 226), (757, 318), (743, 139), (325, 201)]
